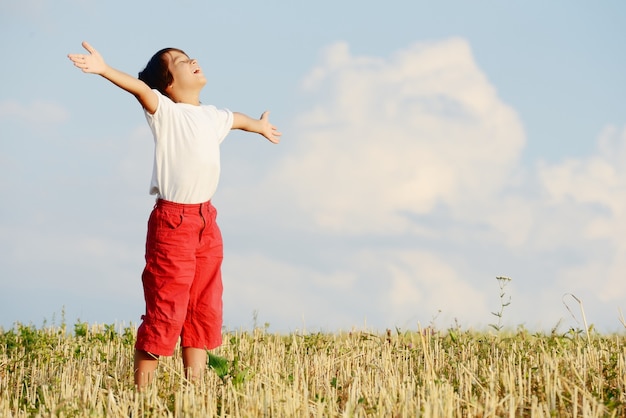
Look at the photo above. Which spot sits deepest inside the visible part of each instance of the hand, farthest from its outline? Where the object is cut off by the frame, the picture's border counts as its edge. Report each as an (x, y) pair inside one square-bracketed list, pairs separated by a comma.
[(268, 130), (92, 63)]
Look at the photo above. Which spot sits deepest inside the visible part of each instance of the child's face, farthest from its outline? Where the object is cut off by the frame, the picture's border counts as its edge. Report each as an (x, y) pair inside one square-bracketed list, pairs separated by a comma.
[(185, 71)]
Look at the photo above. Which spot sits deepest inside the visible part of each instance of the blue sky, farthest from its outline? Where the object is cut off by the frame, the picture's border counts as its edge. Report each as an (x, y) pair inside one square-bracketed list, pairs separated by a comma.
[(427, 148)]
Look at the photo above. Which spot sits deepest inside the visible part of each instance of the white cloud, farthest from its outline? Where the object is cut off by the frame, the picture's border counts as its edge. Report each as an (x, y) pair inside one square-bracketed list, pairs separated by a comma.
[(383, 287), (597, 179), (400, 194), (38, 12), (404, 135), (39, 114), (388, 141), (24, 7), (289, 294), (588, 205), (417, 150), (423, 282)]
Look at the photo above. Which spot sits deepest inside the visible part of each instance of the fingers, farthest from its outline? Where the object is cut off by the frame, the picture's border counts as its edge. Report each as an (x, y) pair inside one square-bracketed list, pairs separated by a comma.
[(275, 136), (79, 59), (81, 66), (88, 63), (76, 59)]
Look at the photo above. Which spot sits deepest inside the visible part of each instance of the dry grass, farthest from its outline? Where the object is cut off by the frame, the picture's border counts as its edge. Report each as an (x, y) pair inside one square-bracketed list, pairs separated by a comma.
[(49, 372)]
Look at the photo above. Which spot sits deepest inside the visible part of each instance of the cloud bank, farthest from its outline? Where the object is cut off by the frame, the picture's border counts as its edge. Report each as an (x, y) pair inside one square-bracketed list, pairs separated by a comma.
[(405, 181), (398, 194)]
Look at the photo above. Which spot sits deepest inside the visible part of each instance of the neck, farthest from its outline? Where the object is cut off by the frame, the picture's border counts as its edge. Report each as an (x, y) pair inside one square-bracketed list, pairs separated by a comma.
[(188, 98)]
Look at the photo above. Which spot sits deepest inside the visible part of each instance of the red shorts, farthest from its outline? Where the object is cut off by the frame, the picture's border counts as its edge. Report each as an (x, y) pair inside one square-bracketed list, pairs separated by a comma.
[(182, 280)]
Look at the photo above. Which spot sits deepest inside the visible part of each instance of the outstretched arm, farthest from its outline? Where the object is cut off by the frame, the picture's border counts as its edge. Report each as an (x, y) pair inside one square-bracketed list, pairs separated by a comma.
[(93, 63), (260, 126)]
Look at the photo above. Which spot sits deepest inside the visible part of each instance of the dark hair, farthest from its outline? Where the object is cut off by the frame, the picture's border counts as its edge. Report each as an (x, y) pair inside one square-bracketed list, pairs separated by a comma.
[(157, 74)]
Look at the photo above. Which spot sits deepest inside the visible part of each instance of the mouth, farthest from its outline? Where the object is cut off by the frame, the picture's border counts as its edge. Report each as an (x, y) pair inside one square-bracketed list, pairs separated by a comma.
[(197, 71)]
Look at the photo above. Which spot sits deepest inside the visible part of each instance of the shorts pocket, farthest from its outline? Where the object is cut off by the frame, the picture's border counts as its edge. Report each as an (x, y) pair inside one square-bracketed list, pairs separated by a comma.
[(171, 219)]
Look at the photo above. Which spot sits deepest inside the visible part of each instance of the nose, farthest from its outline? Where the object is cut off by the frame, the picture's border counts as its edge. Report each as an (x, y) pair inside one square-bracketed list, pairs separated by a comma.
[(194, 61)]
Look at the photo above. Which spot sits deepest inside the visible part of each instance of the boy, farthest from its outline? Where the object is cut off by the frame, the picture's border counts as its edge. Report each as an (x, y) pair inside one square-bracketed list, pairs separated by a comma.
[(181, 280)]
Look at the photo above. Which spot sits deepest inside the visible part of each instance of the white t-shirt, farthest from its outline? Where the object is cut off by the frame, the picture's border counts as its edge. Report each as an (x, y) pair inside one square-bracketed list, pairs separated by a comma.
[(186, 149)]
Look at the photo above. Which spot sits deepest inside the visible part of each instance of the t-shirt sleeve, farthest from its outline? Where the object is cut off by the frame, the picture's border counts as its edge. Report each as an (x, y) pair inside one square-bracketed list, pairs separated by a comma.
[(223, 122), (162, 104)]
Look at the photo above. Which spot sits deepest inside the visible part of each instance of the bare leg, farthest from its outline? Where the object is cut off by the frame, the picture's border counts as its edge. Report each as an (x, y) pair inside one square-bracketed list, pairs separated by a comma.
[(194, 362), (145, 366)]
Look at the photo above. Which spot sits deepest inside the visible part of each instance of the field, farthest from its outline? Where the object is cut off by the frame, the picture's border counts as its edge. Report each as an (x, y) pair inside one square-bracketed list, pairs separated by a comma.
[(87, 371)]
